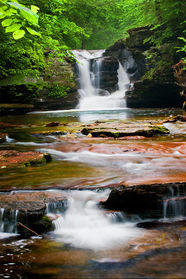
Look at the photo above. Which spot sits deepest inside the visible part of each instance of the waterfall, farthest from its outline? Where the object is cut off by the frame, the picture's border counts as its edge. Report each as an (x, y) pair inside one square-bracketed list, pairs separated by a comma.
[(174, 206), (92, 95), (87, 78), (8, 221), (84, 225)]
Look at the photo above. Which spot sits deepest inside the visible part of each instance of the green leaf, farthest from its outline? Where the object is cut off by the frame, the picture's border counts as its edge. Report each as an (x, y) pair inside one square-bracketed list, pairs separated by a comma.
[(13, 11), (13, 27), (30, 16), (182, 38), (33, 32), (2, 15), (26, 13), (7, 22), (34, 9), (18, 34)]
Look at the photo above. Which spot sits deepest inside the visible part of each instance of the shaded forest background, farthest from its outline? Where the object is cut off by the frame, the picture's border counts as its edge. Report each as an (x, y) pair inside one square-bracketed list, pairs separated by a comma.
[(89, 24)]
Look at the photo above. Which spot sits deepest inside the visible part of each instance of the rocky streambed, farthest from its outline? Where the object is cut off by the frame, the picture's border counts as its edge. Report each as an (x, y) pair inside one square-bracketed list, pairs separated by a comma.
[(125, 177)]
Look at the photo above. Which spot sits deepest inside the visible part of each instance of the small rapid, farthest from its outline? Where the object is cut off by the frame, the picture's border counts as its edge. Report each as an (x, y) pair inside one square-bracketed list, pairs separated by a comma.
[(85, 225)]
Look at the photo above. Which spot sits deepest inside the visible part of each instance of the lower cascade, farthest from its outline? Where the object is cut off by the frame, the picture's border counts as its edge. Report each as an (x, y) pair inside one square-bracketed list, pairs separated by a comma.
[(94, 88), (84, 225)]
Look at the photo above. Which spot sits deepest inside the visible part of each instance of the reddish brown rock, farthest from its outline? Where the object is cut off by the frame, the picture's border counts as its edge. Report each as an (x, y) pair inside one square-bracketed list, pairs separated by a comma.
[(7, 125), (52, 124), (11, 158), (2, 137), (175, 119)]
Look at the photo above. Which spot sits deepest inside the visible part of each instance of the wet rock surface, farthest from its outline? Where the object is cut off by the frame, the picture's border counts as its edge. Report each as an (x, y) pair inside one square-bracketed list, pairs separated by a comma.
[(98, 163), (2, 137), (145, 200), (108, 74), (12, 158), (153, 83), (119, 129), (7, 125), (148, 93), (29, 208)]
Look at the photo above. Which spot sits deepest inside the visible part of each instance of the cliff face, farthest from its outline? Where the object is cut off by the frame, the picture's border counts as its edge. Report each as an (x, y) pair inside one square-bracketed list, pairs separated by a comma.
[(150, 70), (180, 77), (54, 89), (60, 90)]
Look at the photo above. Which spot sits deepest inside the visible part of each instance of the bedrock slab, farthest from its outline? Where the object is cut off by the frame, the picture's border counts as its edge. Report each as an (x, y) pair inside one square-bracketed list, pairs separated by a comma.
[(29, 208), (122, 129), (13, 158)]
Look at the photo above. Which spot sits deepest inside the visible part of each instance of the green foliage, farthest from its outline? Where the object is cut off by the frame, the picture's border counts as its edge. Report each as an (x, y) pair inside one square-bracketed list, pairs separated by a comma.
[(58, 91), (32, 30), (104, 21), (182, 48), (17, 18), (166, 17)]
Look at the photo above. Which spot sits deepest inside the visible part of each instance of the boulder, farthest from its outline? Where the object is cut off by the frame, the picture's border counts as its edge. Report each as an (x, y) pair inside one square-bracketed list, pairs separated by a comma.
[(107, 77), (145, 200), (29, 209), (153, 94)]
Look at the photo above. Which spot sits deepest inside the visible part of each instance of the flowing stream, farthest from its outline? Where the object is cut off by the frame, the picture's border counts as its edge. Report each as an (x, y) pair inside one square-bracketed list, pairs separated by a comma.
[(89, 241)]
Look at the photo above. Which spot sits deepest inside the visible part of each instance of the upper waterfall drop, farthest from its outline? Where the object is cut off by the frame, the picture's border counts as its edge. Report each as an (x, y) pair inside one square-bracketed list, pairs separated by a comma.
[(93, 96)]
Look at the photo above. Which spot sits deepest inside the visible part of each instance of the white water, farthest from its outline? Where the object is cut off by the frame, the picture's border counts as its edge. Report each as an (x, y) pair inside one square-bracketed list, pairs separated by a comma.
[(8, 224), (173, 207), (83, 57), (89, 85), (86, 226)]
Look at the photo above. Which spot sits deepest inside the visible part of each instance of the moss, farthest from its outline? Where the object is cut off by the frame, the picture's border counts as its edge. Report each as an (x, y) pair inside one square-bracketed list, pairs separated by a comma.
[(58, 91), (159, 62), (47, 224), (45, 158), (160, 129)]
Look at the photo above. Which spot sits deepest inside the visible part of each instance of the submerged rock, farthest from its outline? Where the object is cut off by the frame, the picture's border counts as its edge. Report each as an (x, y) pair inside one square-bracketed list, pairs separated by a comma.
[(174, 119), (12, 158), (7, 125)]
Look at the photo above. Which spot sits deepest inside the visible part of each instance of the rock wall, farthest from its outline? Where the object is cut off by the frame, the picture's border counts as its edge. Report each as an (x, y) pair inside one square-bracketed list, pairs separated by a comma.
[(54, 89), (180, 77), (60, 91), (150, 70), (108, 78)]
